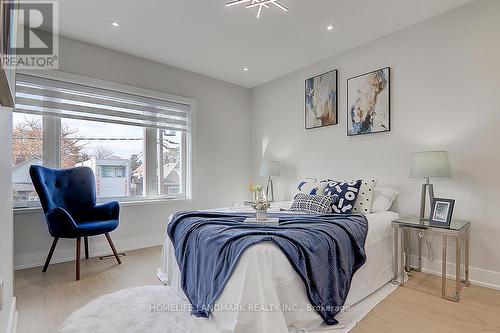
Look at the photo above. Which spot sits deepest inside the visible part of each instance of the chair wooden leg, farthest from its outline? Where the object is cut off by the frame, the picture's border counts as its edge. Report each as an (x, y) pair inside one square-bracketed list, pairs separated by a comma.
[(86, 242), (113, 248), (49, 256), (78, 246)]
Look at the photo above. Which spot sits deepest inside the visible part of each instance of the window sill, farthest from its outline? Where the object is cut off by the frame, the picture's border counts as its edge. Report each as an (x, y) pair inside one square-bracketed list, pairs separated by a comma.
[(35, 210), (29, 210)]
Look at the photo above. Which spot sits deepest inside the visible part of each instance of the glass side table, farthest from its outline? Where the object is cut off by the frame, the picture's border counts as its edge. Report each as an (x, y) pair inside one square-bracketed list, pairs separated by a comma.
[(458, 230)]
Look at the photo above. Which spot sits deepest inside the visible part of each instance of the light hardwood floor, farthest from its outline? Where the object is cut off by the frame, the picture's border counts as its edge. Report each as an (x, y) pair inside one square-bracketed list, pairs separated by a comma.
[(45, 300)]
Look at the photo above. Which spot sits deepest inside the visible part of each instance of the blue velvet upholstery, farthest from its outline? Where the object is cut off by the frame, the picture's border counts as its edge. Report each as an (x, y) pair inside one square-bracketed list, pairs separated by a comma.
[(68, 198)]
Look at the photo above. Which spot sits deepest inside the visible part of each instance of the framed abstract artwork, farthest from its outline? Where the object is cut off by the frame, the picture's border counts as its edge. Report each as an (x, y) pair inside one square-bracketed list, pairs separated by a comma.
[(321, 100), (369, 103)]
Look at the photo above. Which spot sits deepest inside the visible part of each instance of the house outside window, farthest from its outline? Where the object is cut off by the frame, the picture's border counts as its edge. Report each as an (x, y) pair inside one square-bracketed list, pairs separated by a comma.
[(27, 139)]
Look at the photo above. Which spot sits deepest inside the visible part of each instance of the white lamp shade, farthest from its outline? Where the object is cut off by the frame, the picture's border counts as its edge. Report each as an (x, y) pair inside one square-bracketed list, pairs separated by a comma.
[(430, 164), (269, 168)]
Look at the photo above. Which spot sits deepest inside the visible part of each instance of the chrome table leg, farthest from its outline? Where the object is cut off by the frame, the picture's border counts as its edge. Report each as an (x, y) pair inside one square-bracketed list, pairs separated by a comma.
[(458, 264), (419, 252), (395, 261), (466, 256), (408, 249), (402, 256), (456, 296), (443, 262)]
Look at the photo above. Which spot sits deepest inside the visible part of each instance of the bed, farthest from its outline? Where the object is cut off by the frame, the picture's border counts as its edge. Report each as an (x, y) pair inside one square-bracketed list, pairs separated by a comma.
[(265, 282)]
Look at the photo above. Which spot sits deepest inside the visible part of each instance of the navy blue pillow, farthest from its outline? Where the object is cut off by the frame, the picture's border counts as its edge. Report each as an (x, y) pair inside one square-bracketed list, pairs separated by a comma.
[(343, 194)]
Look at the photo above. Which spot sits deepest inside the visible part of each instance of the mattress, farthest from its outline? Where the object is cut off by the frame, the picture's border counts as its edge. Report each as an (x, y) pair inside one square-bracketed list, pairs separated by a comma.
[(265, 294)]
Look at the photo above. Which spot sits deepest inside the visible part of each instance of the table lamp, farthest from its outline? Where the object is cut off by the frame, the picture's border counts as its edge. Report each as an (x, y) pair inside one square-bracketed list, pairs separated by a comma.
[(428, 164), (270, 169)]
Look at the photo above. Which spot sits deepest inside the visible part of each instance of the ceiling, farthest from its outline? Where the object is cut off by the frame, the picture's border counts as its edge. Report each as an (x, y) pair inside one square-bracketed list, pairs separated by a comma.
[(205, 37)]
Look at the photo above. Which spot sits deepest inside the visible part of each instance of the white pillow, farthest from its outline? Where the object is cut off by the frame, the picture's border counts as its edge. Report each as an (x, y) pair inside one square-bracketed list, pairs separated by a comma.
[(363, 204), (383, 198), (311, 186)]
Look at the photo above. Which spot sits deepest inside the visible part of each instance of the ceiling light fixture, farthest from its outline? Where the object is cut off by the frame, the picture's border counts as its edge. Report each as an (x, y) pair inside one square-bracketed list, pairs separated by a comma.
[(114, 23), (330, 27), (245, 69), (260, 4)]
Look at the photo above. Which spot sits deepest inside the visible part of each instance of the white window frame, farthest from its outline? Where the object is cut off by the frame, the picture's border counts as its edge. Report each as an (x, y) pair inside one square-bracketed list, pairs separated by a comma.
[(51, 139)]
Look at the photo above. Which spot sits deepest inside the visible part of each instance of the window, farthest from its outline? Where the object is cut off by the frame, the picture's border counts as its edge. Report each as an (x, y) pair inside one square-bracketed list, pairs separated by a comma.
[(135, 141), (170, 158), (27, 148), (111, 171), (120, 172), (113, 151), (106, 171)]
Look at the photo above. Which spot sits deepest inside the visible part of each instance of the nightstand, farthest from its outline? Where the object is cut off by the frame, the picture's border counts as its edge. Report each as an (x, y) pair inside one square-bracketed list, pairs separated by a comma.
[(458, 230)]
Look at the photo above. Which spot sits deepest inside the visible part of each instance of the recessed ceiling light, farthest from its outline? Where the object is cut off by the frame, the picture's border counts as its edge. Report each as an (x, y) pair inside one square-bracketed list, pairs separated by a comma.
[(245, 69), (330, 27), (114, 23)]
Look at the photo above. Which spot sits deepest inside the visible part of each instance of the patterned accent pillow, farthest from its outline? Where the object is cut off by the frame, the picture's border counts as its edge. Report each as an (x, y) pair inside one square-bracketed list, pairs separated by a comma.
[(343, 194), (312, 204), (363, 204), (311, 186)]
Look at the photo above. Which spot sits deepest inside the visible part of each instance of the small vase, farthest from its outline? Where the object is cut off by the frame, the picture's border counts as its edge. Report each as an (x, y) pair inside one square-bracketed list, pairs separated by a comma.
[(261, 215)]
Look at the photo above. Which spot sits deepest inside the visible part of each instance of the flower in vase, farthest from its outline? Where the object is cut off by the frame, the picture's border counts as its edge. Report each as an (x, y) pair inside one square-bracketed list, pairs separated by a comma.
[(261, 204), (255, 188)]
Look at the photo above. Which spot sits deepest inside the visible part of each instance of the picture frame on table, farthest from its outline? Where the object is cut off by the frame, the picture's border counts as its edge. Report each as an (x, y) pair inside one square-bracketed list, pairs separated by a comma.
[(321, 100), (441, 212), (369, 103)]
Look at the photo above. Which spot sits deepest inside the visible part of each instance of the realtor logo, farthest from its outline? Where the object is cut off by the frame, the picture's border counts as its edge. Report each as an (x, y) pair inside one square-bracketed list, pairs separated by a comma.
[(30, 34)]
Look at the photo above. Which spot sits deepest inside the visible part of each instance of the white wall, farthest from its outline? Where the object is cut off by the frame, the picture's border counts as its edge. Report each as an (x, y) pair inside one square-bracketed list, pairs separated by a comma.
[(221, 162), (445, 95), (6, 228)]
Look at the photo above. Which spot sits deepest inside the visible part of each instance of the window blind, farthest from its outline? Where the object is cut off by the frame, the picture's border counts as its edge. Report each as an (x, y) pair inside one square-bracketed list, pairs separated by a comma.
[(42, 96)]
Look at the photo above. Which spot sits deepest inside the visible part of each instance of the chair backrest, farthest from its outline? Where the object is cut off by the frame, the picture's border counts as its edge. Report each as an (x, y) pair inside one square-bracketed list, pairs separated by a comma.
[(72, 189)]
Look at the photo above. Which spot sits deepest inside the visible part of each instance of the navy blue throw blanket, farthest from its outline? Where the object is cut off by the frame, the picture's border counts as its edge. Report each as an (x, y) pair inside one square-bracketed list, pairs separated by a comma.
[(324, 250)]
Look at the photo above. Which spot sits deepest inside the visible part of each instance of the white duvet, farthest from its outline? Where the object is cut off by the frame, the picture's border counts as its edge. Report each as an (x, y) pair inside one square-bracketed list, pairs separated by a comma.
[(265, 294)]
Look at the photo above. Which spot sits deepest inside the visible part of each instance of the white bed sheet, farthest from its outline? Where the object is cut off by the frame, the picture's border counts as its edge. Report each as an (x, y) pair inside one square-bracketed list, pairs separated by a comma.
[(265, 294)]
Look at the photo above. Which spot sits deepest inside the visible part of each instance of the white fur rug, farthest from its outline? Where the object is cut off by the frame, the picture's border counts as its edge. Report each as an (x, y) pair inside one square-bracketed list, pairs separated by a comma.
[(130, 310), (158, 309)]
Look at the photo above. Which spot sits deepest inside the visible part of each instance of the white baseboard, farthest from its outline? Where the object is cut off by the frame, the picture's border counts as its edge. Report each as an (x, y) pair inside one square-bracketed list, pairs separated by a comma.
[(477, 276), (96, 248), (12, 323)]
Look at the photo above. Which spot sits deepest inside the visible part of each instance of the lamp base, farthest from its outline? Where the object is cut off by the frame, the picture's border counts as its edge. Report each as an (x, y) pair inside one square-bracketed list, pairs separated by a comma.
[(426, 187), (270, 190)]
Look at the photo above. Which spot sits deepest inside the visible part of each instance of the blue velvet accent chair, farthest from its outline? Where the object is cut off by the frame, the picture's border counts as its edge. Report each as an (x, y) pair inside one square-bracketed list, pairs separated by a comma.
[(68, 198)]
